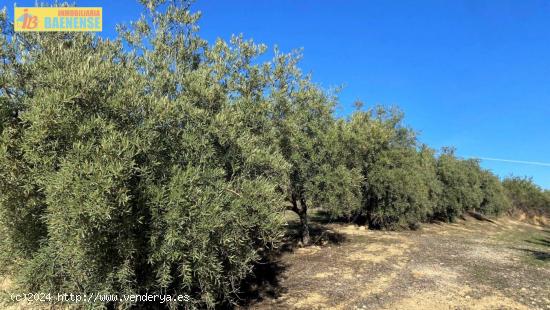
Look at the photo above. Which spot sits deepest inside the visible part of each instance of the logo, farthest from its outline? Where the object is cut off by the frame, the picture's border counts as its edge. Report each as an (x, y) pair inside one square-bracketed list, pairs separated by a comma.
[(27, 20), (58, 19)]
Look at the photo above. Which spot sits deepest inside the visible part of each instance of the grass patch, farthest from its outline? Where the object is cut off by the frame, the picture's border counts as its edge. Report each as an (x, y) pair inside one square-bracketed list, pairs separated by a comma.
[(534, 244)]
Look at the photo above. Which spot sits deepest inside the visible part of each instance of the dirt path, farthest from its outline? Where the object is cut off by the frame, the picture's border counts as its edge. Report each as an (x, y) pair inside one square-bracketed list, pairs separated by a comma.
[(466, 265)]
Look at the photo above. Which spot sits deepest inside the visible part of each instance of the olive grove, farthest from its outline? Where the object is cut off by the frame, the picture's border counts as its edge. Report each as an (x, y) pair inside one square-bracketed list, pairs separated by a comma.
[(158, 162)]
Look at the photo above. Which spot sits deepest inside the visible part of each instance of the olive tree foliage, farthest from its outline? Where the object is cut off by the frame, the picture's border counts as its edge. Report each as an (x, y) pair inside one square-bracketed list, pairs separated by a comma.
[(143, 164), (526, 195), (401, 188), (338, 184), (363, 137), (468, 187), (18, 197), (67, 163), (403, 183), (397, 177), (461, 186), (495, 200)]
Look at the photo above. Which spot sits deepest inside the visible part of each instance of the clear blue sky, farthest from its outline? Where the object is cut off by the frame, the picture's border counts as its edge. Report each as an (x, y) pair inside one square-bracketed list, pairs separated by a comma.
[(471, 74)]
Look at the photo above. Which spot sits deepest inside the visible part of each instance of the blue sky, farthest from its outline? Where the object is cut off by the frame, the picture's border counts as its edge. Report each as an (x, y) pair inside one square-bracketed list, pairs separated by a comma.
[(470, 74)]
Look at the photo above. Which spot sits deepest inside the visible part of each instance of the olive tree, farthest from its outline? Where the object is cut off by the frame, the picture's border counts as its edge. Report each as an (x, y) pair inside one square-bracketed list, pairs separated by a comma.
[(526, 195), (396, 176), (312, 142), (134, 165), (400, 189), (461, 183), (495, 201)]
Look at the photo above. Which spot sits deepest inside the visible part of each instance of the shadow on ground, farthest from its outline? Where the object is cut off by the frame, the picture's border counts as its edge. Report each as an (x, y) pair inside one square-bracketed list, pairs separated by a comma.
[(536, 254), (540, 241), (319, 234), (264, 282)]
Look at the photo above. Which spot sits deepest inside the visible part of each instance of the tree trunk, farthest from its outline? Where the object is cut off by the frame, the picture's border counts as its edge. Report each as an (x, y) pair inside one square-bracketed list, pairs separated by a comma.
[(303, 221), (302, 213), (305, 228)]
